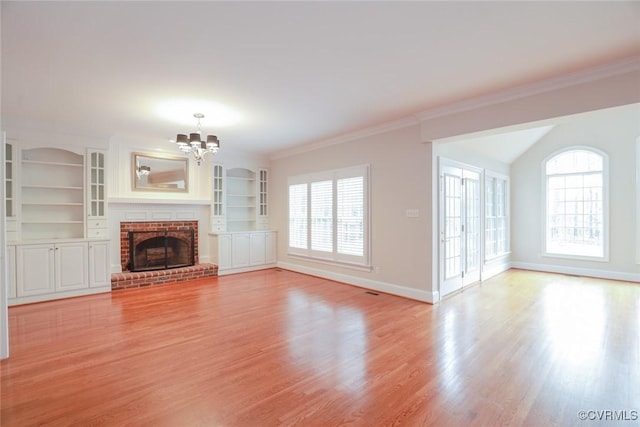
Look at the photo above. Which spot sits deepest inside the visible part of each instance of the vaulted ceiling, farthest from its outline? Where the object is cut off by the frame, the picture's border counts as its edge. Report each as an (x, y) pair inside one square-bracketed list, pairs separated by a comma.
[(272, 75)]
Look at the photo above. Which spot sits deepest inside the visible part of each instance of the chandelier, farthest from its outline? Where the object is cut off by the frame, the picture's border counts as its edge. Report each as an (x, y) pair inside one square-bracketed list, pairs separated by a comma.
[(195, 144)]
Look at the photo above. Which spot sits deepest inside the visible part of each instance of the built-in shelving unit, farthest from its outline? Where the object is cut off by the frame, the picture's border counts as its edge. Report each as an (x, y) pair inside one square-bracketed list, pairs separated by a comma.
[(52, 194), (240, 238), (241, 199), (58, 240)]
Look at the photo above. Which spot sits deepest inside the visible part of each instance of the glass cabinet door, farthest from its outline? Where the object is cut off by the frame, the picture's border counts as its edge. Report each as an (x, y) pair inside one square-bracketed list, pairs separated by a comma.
[(217, 202), (8, 181), (96, 184)]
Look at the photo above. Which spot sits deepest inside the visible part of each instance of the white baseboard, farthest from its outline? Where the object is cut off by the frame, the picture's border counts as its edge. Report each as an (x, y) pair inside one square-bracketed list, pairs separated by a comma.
[(59, 295), (494, 268), (577, 271), (374, 285), (224, 272)]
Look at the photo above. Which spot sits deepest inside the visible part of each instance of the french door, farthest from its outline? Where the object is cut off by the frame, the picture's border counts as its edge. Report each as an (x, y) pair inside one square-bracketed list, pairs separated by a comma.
[(460, 226)]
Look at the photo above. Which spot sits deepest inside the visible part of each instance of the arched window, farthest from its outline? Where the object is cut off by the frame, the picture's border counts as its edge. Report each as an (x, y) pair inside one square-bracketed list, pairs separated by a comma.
[(576, 194)]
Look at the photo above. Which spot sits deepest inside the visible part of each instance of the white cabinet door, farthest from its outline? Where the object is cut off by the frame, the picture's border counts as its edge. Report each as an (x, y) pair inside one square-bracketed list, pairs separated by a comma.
[(96, 184), (35, 267), (217, 199), (99, 264), (224, 252), (240, 246), (11, 271), (257, 254), (71, 261), (270, 257)]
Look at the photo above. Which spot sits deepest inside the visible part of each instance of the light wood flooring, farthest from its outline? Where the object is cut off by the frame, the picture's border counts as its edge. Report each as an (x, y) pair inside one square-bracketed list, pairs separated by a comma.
[(277, 348)]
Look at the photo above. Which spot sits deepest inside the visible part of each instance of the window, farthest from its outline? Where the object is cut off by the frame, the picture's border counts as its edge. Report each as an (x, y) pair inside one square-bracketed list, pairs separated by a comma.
[(496, 235), (329, 216), (576, 188)]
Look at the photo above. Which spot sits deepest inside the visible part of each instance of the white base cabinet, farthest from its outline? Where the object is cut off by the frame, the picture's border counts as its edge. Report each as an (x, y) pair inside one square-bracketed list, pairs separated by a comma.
[(48, 271), (236, 252)]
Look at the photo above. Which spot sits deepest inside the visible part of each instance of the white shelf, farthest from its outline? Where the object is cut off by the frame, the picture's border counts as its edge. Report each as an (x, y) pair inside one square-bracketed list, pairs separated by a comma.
[(239, 178), (51, 222), (40, 162), (52, 187), (51, 204), (135, 200)]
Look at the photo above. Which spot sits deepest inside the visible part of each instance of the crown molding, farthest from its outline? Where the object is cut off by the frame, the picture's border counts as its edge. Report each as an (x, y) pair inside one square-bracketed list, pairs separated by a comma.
[(610, 69), (351, 136)]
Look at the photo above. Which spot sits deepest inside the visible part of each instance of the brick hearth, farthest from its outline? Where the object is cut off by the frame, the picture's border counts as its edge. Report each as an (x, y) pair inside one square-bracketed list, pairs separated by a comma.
[(127, 280)]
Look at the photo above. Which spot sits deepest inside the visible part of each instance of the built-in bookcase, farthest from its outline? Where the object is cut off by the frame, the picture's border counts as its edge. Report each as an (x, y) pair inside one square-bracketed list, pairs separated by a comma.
[(241, 199), (52, 194)]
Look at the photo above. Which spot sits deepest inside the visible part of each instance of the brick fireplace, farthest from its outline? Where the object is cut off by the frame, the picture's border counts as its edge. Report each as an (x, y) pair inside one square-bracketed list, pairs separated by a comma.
[(128, 279), (160, 226)]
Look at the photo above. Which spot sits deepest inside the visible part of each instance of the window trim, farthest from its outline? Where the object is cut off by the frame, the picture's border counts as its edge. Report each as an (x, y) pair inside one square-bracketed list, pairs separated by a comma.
[(333, 257), (507, 204), (606, 189)]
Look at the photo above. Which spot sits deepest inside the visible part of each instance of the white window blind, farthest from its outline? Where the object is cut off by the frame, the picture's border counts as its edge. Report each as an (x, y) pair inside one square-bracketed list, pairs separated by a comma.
[(298, 216), (329, 216), (350, 227), (322, 216)]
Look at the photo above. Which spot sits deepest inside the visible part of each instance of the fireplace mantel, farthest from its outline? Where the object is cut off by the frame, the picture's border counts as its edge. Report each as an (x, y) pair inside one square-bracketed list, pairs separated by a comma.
[(138, 201)]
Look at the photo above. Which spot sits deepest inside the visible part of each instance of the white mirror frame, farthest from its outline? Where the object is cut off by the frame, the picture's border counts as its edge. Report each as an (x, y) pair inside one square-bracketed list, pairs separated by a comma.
[(158, 172)]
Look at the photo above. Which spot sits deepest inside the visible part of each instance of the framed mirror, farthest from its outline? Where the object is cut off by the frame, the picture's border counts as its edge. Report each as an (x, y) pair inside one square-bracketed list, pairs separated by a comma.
[(157, 172)]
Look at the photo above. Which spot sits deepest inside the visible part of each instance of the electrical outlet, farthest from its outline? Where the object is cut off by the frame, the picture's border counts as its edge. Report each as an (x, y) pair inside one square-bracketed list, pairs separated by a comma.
[(413, 213)]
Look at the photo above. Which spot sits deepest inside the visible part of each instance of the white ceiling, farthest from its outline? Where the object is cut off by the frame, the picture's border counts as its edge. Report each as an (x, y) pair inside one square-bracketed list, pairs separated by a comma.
[(294, 72), (504, 146)]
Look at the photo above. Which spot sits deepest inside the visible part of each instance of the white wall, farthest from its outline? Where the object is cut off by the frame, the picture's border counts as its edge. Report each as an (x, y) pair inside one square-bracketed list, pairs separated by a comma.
[(613, 131), (404, 173), (400, 180), (119, 178)]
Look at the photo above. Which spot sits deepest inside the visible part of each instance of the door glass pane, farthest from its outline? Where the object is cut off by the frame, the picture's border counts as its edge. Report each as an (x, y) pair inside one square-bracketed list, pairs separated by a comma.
[(472, 222), (452, 227)]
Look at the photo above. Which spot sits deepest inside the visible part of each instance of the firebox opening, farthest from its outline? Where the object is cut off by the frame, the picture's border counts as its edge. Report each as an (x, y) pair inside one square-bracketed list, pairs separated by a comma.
[(159, 250)]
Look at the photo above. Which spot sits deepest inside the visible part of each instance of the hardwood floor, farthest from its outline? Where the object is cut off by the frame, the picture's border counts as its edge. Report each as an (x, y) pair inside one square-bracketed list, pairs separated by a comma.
[(277, 348)]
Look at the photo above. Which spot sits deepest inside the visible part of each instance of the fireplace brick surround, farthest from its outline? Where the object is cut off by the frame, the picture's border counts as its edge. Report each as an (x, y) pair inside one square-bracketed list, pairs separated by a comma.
[(127, 279)]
